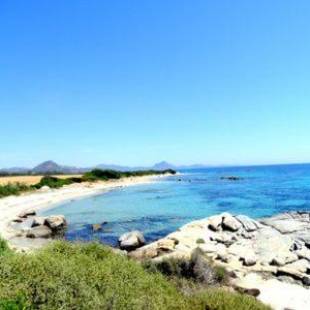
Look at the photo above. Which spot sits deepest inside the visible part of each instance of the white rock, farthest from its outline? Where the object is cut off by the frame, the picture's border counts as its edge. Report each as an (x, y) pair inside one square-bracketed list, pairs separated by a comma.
[(56, 222), (248, 223), (231, 223), (214, 222), (131, 240)]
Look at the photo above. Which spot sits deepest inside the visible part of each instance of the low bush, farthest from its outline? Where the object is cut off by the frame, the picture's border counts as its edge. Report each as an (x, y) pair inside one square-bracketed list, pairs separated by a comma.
[(85, 276), (98, 174), (13, 189), (53, 182), (222, 299), (199, 269), (14, 304), (4, 248), (90, 276)]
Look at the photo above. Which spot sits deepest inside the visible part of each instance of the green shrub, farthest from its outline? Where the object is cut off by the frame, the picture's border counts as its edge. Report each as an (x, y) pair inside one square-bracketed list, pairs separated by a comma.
[(53, 182), (98, 174), (85, 276), (4, 248), (198, 268), (221, 299), (200, 241), (90, 276), (14, 304), (13, 189)]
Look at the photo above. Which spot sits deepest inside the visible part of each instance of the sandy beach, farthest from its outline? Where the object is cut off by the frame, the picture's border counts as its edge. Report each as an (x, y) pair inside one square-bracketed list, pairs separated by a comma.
[(11, 206)]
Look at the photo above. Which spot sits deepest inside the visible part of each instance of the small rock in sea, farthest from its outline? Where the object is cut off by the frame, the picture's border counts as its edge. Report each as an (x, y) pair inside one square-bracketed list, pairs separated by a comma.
[(96, 227), (231, 178), (131, 240), (27, 213), (39, 232)]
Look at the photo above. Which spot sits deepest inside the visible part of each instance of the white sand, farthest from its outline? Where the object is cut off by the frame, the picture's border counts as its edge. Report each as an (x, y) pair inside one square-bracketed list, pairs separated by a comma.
[(11, 206)]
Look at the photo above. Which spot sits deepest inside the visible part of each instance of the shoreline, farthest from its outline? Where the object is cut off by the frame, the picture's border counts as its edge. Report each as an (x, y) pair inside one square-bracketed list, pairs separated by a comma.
[(40, 200)]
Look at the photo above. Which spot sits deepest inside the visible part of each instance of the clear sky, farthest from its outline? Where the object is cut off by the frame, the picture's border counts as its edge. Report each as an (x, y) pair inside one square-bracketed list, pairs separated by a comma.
[(135, 82)]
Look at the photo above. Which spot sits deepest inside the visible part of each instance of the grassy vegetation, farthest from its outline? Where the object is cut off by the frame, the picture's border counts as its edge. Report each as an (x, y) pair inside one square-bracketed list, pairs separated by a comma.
[(91, 276), (13, 189), (92, 176), (105, 175)]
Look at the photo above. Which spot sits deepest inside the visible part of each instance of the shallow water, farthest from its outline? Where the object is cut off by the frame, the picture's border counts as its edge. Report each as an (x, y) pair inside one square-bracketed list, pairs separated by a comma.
[(160, 208)]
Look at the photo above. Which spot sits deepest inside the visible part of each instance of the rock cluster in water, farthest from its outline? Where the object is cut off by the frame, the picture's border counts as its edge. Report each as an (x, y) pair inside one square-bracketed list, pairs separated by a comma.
[(276, 247)]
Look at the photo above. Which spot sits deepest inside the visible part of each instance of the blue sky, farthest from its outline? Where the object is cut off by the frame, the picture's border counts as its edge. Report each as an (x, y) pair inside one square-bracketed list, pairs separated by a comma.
[(135, 82)]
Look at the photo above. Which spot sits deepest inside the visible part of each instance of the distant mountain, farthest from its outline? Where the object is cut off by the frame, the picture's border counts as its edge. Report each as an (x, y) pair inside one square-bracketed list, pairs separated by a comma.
[(163, 165), (52, 167), (49, 167), (114, 167), (15, 170)]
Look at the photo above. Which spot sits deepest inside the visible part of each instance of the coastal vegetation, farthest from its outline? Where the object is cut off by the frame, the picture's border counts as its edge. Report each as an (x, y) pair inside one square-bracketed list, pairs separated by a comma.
[(17, 188), (13, 189), (91, 276)]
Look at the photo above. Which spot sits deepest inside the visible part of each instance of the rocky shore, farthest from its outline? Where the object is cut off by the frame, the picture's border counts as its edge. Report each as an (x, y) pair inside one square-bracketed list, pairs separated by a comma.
[(271, 255)]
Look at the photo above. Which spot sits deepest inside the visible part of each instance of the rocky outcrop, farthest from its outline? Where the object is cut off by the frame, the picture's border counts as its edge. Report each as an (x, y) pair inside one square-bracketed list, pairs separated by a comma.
[(131, 240), (277, 247)]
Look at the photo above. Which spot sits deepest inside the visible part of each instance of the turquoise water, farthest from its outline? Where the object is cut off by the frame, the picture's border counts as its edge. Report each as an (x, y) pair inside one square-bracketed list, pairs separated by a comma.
[(160, 208)]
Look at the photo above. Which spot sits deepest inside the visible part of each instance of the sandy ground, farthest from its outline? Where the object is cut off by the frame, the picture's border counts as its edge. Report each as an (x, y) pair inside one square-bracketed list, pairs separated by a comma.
[(29, 179), (11, 206)]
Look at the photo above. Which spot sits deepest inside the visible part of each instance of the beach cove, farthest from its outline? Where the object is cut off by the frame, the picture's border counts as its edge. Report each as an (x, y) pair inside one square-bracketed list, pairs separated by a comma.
[(12, 206)]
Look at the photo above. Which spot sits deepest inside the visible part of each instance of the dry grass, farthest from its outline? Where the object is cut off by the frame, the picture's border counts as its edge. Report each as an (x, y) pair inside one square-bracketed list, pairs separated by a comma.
[(30, 179)]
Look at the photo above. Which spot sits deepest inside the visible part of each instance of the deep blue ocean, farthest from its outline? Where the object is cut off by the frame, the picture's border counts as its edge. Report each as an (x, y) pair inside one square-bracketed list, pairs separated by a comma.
[(160, 208)]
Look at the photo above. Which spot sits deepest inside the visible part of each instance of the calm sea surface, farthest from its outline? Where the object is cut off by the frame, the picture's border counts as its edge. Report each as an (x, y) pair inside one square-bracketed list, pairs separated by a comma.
[(160, 208)]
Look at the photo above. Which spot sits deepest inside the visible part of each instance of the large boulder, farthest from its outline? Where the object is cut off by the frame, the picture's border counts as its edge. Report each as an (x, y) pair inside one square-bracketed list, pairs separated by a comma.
[(231, 223), (56, 222), (131, 240), (39, 232)]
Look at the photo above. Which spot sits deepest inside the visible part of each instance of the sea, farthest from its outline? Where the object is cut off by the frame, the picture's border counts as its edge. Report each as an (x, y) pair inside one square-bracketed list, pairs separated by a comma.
[(160, 208)]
